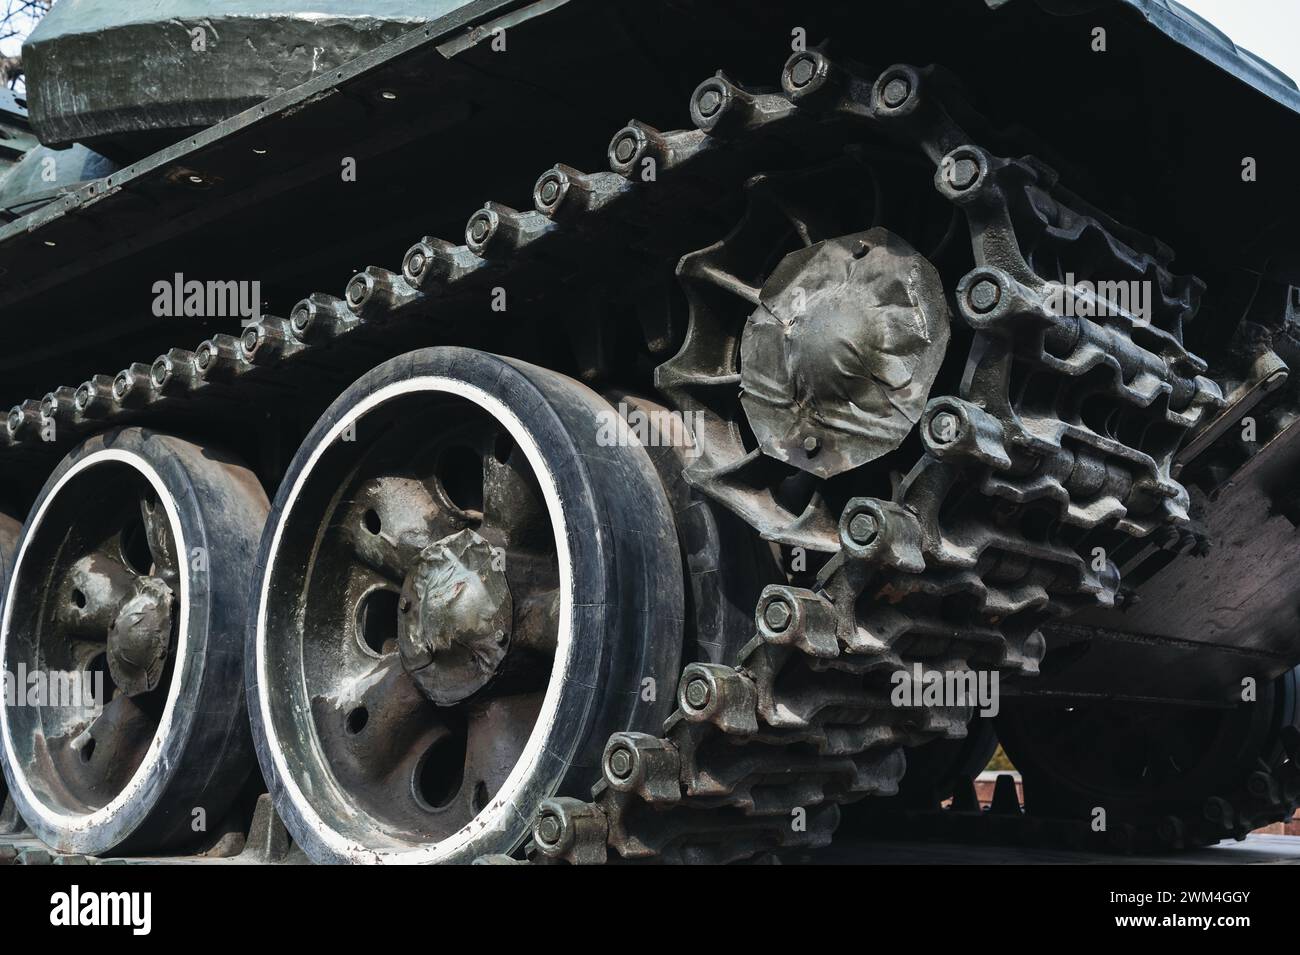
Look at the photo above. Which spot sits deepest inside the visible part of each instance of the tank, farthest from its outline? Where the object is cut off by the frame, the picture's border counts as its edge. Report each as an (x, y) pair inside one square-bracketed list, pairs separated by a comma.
[(413, 458)]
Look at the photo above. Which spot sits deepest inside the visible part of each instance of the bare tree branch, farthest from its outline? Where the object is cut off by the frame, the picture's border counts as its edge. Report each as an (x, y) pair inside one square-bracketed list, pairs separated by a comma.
[(17, 20)]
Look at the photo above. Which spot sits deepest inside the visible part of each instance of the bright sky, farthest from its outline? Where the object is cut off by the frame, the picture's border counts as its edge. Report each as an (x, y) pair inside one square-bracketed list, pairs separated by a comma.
[(10, 45), (1268, 28)]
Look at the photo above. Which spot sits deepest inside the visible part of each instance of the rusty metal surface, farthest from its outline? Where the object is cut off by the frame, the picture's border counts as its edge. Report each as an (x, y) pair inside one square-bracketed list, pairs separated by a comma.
[(838, 359), (717, 786), (961, 522), (1024, 461)]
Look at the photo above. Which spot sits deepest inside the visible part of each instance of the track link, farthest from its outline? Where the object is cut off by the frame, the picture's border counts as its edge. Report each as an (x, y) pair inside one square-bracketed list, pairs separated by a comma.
[(759, 755)]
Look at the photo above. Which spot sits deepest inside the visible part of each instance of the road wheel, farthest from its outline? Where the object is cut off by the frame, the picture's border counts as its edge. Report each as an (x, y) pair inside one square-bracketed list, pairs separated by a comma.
[(470, 578), (122, 624)]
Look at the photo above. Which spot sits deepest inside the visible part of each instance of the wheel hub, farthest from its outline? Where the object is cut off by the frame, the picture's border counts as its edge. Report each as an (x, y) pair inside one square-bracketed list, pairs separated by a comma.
[(455, 617), (140, 636), (838, 359)]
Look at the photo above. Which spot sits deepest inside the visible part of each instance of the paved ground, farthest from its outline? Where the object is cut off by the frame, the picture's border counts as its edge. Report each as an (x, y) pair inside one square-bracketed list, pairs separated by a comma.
[(1257, 849)]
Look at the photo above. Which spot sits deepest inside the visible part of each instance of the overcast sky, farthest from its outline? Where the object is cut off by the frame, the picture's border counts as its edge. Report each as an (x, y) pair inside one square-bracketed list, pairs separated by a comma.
[(1268, 28)]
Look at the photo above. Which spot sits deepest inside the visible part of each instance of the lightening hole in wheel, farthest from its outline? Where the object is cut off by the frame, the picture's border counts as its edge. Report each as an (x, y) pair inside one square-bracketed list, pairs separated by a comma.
[(135, 548), (502, 447), (460, 471), (440, 772), (78, 599), (88, 751), (357, 720), (97, 670), (480, 796), (372, 522), (377, 620)]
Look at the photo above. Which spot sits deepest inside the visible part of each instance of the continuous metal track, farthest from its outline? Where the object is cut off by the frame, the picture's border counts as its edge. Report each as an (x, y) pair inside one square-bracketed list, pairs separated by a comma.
[(759, 755), (982, 541)]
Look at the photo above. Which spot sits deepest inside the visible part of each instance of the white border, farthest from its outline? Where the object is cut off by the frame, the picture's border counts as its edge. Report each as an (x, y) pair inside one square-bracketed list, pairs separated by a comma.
[(80, 824), (500, 811)]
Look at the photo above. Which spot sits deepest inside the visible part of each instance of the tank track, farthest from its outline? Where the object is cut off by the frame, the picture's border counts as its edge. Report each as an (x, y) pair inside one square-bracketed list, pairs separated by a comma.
[(949, 575), (716, 787)]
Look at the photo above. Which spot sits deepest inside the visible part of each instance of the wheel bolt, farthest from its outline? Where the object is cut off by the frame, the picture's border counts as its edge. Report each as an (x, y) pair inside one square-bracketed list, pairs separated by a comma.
[(698, 694), (777, 615), (625, 149), (984, 296), (944, 427), (620, 763), (356, 291), (415, 264), (896, 92), (548, 829), (479, 229), (963, 173), (862, 528), (202, 358), (404, 605), (709, 102), (810, 445), (550, 191), (802, 72)]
